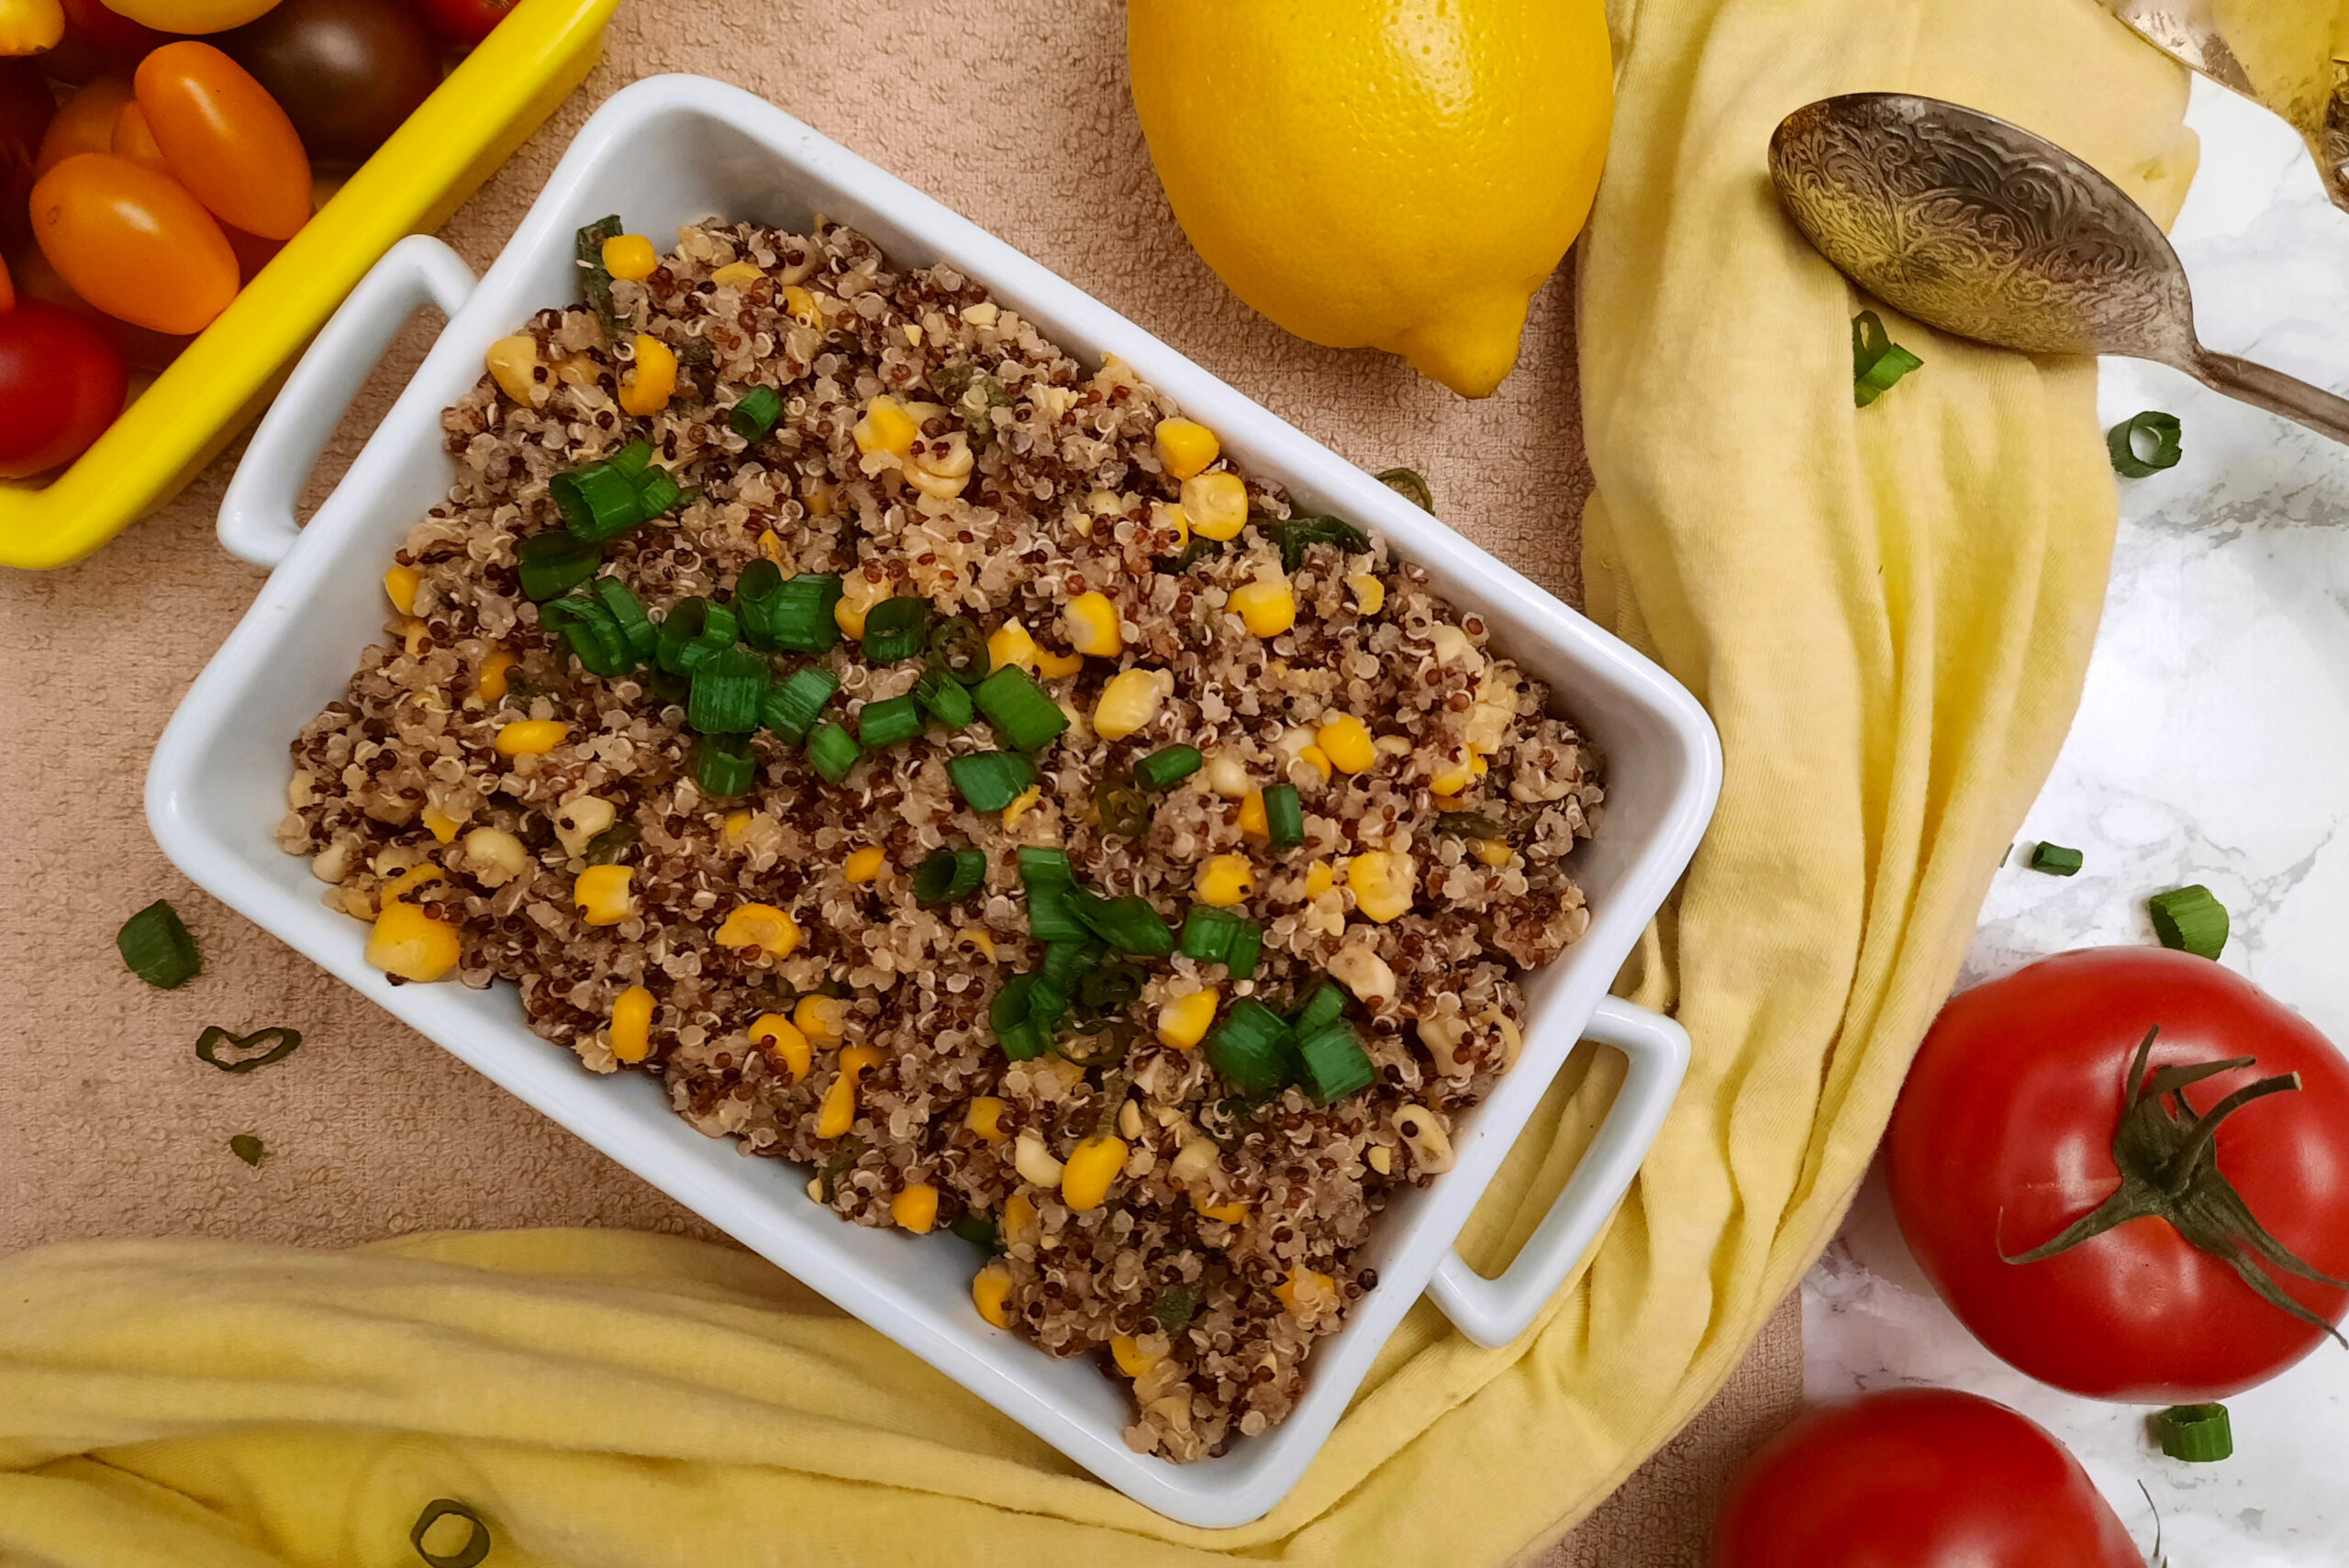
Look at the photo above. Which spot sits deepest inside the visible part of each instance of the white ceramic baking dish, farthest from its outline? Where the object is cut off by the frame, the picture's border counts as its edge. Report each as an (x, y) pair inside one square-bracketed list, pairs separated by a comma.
[(674, 149)]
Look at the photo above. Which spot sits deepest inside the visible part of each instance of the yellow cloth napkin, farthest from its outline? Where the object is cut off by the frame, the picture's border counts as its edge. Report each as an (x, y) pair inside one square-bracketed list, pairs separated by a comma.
[(1887, 612)]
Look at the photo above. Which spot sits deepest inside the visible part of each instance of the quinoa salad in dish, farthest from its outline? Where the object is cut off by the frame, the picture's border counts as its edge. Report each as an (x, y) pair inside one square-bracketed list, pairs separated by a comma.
[(939, 766)]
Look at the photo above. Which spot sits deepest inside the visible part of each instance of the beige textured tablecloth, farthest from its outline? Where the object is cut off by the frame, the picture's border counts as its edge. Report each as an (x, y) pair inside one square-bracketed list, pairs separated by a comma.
[(1015, 114)]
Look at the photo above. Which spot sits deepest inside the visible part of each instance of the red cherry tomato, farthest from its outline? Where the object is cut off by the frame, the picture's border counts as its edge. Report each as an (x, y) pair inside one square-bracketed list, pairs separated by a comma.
[(466, 21), (2005, 1136), (97, 41), (62, 382), (134, 243), (25, 111), (143, 348), (85, 123), (1918, 1478), (227, 139)]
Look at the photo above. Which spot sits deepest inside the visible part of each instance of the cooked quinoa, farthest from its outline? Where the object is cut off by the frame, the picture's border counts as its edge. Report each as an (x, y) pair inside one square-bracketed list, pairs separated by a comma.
[(501, 814)]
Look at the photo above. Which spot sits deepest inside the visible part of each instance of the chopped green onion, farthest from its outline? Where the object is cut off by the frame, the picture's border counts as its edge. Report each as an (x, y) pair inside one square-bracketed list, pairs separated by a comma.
[(1299, 535), (2145, 444), (757, 596), (248, 1147), (754, 415), (596, 279), (1019, 709), (2198, 1434), (2189, 920), (1109, 1045), (597, 502), (1039, 866), (832, 752), (945, 875), (1335, 1064), (1107, 987), (990, 781), (1323, 1006), (1876, 361), (693, 630), (591, 633), (1128, 924), (1250, 1047), (945, 699), (1284, 817), (1470, 825), (980, 1231), (2055, 860), (1067, 962), (1207, 932), (729, 686), (1009, 1005), (792, 708), (627, 613), (1168, 766), (802, 617), (633, 459), (156, 944), (1047, 1005), (1025, 1040), (1406, 481), (1052, 913), (895, 627), (656, 491), (888, 721), (1124, 810), (1247, 946), (269, 1045), (550, 564), (607, 846), (476, 1544), (958, 647), (724, 768), (1175, 1307)]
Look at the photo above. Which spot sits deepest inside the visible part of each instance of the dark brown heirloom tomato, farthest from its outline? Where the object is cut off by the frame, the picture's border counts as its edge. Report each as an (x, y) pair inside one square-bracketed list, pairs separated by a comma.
[(25, 109), (346, 71)]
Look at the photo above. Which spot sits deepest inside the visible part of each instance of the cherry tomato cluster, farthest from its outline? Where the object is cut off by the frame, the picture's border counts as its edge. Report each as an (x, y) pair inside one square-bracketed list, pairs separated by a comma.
[(154, 155)]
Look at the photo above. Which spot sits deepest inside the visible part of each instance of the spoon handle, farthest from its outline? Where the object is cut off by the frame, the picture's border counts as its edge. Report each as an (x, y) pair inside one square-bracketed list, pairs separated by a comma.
[(2274, 391)]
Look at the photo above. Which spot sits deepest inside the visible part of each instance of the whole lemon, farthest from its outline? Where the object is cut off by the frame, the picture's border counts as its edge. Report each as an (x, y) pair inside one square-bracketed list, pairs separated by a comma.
[(1402, 174)]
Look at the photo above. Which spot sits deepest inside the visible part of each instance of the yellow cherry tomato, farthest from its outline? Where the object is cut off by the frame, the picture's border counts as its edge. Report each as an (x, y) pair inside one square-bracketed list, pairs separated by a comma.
[(191, 16), (29, 26), (133, 242)]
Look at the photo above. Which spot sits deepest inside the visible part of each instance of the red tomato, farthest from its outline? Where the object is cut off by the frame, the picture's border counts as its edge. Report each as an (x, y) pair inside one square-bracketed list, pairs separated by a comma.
[(2005, 1136), (62, 382), (1918, 1478), (466, 21), (134, 243), (97, 41), (25, 110), (143, 348), (225, 138), (85, 124)]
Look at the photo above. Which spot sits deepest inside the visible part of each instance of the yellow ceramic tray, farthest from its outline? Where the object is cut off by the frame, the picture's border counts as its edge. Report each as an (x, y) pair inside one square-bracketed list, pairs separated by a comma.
[(497, 97)]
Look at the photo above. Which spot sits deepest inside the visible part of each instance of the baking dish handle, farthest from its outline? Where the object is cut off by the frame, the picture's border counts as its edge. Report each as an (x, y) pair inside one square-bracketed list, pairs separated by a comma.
[(257, 515), (1493, 1311)]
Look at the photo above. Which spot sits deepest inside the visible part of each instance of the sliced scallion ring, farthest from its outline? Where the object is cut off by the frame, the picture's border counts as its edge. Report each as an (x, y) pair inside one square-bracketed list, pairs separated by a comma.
[(2145, 444), (1020, 709), (888, 722), (1407, 482), (832, 751), (1876, 361), (2055, 860), (627, 613), (990, 781), (1109, 987), (1168, 766), (597, 502), (729, 686), (980, 1231), (755, 415), (945, 699), (1129, 925), (156, 944), (758, 594), (802, 617), (1250, 1047), (1124, 810), (1284, 817), (1104, 1047), (792, 708), (550, 564), (1039, 865), (895, 629), (476, 1543), (958, 647), (1335, 1064), (2189, 920), (656, 491), (2198, 1434), (724, 767), (267, 1046), (945, 875)]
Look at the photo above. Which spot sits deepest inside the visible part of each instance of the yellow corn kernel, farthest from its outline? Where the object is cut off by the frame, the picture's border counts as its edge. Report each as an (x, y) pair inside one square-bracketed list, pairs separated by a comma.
[(986, 1119), (1224, 881), (859, 594), (412, 635), (514, 366), (737, 822), (1125, 1351), (1185, 446), (1252, 814), (1346, 741), (1370, 594), (401, 583), (981, 941), (1266, 605), (771, 545), (1320, 760), (1495, 852), (762, 925), (1448, 783), (887, 427), (823, 1019), (630, 257), (411, 944), (632, 1025), (781, 1042), (1217, 505), (864, 864), (1130, 700), (438, 823), (915, 1208), (1227, 1213), (1381, 883), (1166, 515), (490, 685), (408, 880), (1010, 644), (1018, 1217), (1092, 622), (1052, 666), (648, 388), (1319, 879), (1021, 805), (990, 1287), (1307, 1292), (801, 306), (839, 1111), (531, 737), (1091, 1166), (1478, 766), (603, 897), (737, 274), (1183, 1020)]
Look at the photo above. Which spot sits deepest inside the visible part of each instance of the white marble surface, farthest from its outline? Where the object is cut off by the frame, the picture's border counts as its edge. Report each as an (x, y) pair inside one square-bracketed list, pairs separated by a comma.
[(2212, 746)]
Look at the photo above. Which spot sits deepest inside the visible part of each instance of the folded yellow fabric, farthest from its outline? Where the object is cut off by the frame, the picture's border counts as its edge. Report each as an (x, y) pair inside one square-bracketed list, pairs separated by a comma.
[(1887, 610)]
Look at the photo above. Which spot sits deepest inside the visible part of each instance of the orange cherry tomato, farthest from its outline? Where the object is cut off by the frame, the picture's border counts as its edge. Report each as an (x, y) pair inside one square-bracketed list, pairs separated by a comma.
[(133, 140), (7, 290), (227, 138), (133, 242), (84, 124)]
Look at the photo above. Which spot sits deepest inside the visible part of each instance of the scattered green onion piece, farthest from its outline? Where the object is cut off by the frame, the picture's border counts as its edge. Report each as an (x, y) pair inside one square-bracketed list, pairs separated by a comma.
[(591, 633), (1247, 946), (1019, 709), (802, 617), (1051, 914), (945, 699), (1124, 810), (724, 768), (248, 1147), (1039, 866), (1324, 1005), (1207, 932), (1470, 825), (758, 594), (1110, 986), (1250, 1047), (1284, 817), (945, 875), (990, 781), (627, 613), (1299, 535), (597, 502), (656, 493), (1106, 1047), (2145, 444), (1175, 1307), (792, 708), (888, 722), (895, 627), (673, 690), (1406, 481), (1335, 1064), (596, 279), (476, 1546), (1009, 1005), (1047, 1005), (633, 459), (2055, 860), (607, 846), (280, 1044), (1167, 767), (1024, 1041), (832, 752), (156, 944), (692, 630), (958, 647), (1876, 361), (755, 415), (2198, 1434), (980, 1231), (1067, 962), (551, 564), (1129, 925), (2189, 920), (729, 686), (842, 1160)]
